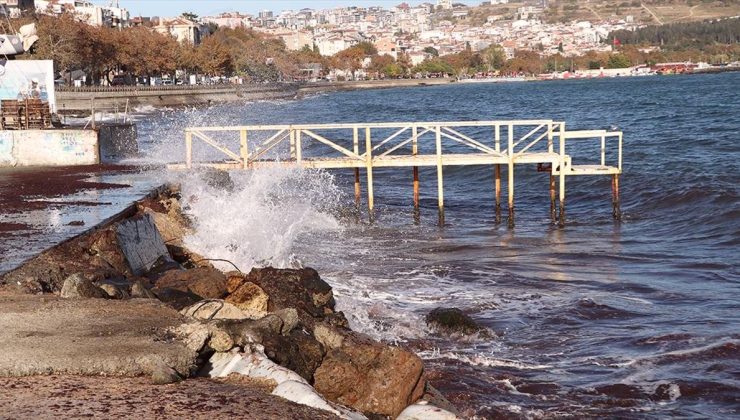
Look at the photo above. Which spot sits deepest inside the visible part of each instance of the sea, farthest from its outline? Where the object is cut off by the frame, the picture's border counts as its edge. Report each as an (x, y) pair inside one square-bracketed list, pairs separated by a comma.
[(636, 318)]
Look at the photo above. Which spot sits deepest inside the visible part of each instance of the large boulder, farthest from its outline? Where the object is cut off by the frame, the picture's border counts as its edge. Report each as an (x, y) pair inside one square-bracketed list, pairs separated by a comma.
[(298, 351), (301, 289), (371, 377), (452, 321), (203, 282), (78, 286), (250, 298)]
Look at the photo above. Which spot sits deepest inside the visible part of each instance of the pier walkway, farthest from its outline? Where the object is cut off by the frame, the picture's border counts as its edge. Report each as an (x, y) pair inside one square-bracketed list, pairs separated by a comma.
[(367, 146)]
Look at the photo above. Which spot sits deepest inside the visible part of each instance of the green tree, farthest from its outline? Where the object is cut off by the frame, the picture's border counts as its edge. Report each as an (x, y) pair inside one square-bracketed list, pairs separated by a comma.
[(431, 51), (618, 61), (494, 57)]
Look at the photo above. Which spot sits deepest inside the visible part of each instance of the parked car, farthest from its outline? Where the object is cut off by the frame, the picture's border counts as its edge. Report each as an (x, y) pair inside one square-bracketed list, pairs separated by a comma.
[(167, 82), (118, 80)]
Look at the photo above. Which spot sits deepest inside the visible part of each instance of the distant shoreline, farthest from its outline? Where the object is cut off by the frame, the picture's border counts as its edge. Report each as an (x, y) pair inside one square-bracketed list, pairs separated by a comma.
[(82, 101)]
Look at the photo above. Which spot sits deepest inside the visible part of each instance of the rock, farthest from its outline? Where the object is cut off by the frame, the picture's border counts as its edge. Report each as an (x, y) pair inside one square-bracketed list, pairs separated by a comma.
[(161, 266), (194, 335), (138, 290), (451, 321), (175, 298), (171, 230), (113, 291), (162, 375), (371, 377), (221, 341), (214, 309), (300, 289), (435, 398), (298, 351), (77, 286), (141, 243), (251, 299), (233, 281), (204, 282), (328, 336), (289, 317)]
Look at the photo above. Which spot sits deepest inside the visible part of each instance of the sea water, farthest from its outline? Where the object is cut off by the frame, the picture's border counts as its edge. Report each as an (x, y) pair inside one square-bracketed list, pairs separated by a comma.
[(601, 318)]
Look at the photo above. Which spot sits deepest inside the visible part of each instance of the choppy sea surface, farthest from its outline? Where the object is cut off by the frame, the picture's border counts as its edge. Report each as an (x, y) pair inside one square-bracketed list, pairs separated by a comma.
[(638, 318)]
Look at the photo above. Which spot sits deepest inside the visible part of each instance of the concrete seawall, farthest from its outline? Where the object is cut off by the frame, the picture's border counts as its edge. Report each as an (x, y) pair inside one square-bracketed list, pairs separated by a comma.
[(81, 100)]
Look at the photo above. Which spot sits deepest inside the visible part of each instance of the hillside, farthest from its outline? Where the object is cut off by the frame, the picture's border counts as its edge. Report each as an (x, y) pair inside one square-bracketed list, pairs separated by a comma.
[(649, 12)]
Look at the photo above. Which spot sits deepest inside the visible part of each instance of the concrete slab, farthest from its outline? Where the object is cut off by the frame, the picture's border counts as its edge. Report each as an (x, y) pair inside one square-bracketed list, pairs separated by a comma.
[(44, 334)]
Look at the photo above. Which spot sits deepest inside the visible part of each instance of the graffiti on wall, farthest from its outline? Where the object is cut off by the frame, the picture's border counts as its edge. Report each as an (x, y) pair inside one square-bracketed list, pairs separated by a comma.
[(48, 147)]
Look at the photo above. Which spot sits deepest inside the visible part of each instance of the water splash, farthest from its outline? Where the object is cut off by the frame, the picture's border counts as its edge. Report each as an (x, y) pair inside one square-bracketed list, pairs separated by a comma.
[(259, 220)]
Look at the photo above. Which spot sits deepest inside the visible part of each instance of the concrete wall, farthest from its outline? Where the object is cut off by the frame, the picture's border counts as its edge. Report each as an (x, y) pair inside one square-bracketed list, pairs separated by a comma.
[(48, 148), (80, 101)]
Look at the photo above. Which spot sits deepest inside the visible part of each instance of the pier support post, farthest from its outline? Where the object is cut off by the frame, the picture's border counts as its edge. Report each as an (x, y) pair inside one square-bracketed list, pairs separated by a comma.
[(356, 149), (440, 183), (292, 144), (510, 174), (298, 151), (497, 182), (553, 215), (243, 148), (616, 211), (369, 167), (561, 216), (414, 152)]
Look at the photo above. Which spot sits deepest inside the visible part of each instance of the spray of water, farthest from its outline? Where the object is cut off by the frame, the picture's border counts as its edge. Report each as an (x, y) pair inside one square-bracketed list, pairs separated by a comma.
[(258, 221)]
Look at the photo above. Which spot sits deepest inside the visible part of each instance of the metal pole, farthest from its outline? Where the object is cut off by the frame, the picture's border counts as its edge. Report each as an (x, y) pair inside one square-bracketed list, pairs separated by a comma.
[(369, 168), (414, 152), (243, 149), (616, 211), (356, 149), (440, 183), (292, 143), (553, 213), (561, 221), (498, 192), (511, 175)]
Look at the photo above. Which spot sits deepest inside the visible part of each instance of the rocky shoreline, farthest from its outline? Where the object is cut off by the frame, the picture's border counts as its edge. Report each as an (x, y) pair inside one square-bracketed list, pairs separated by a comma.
[(127, 300)]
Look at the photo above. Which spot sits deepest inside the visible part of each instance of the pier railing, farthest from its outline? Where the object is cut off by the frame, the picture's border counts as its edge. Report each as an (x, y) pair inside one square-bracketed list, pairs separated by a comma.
[(403, 144)]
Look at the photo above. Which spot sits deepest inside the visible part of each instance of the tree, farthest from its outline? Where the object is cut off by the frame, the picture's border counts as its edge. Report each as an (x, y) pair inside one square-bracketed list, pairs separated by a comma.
[(214, 57), (431, 51), (617, 61), (433, 66), (494, 57), (190, 16)]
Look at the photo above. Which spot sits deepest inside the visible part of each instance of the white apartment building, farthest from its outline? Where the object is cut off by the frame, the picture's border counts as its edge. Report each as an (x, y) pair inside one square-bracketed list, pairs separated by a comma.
[(94, 15)]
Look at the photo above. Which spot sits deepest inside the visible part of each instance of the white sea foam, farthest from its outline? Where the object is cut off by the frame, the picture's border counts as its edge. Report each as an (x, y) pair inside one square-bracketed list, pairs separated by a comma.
[(258, 223)]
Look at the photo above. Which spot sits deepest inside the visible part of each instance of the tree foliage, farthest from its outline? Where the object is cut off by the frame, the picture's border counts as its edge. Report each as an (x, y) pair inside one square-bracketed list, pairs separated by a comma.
[(683, 35)]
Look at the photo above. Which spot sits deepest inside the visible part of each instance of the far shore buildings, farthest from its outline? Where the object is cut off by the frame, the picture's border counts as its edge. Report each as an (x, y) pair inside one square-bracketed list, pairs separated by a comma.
[(183, 30), (14, 8), (92, 14)]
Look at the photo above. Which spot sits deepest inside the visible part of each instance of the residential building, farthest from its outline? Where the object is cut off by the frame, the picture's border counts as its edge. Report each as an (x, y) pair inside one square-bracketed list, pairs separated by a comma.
[(14, 8), (183, 30)]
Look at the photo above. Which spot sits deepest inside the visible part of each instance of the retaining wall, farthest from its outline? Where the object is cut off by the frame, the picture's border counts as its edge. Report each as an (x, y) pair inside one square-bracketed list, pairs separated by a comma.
[(48, 148), (81, 100)]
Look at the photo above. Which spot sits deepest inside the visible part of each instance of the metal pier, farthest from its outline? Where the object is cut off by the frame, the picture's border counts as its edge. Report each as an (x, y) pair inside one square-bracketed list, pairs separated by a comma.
[(414, 144)]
